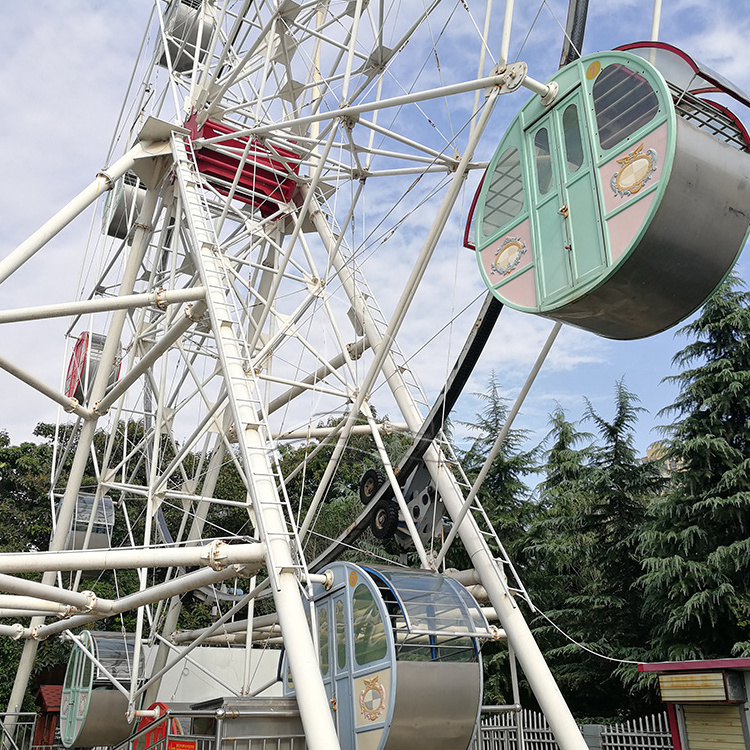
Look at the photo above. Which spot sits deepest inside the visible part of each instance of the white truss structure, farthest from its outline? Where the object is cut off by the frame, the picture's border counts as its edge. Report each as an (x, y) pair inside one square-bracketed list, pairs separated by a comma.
[(238, 292)]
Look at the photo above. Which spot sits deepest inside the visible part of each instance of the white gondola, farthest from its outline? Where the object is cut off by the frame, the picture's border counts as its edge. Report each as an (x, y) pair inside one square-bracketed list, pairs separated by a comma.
[(184, 21), (92, 518)]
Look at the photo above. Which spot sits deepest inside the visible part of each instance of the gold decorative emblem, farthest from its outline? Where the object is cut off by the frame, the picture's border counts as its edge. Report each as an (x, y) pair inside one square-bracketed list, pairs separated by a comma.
[(593, 70), (508, 256), (636, 170), (372, 699)]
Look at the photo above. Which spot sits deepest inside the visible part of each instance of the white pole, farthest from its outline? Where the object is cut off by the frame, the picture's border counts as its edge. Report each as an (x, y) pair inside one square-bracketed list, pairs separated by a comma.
[(349, 113), (84, 307), (381, 344), (34, 592), (267, 507), (192, 314), (104, 181), (85, 439), (174, 587), (656, 22), (505, 39), (12, 601), (535, 668), (502, 434), (217, 555), (67, 403)]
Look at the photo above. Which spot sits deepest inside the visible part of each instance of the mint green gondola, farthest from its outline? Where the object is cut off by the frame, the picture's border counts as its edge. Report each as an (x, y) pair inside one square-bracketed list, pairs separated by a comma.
[(622, 206)]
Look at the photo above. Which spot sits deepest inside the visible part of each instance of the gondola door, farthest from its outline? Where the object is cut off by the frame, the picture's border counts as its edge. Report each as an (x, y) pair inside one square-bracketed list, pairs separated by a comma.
[(323, 615), (567, 216), (342, 670), (335, 667)]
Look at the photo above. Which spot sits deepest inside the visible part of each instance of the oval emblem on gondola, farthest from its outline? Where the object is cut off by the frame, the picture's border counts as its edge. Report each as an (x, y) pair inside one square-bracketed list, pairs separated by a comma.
[(372, 699), (508, 256), (636, 170)]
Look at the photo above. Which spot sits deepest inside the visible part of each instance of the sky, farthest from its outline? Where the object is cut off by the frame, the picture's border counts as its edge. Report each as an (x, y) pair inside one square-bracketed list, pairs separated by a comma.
[(63, 74)]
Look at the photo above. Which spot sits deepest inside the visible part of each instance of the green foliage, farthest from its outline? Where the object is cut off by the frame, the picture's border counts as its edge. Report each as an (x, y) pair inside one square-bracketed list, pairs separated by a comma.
[(583, 546), (24, 483), (505, 493), (697, 568), (506, 498)]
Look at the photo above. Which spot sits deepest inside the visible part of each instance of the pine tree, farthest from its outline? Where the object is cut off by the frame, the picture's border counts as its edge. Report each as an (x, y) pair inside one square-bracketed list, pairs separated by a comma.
[(696, 545), (585, 545), (504, 493)]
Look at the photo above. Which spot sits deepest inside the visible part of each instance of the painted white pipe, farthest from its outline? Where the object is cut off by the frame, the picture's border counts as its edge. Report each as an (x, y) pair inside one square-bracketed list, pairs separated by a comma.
[(656, 21), (505, 38), (84, 307), (82, 454), (269, 515), (382, 346), (354, 351), (104, 181), (12, 631), (499, 441), (175, 587), (53, 609), (196, 532), (259, 623), (386, 428), (67, 403), (347, 113), (216, 555), (317, 387), (543, 89), (23, 603), (352, 46), (84, 600)]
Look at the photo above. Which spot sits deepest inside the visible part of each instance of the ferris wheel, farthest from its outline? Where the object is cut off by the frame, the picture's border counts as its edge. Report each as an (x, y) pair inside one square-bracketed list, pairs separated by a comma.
[(270, 158)]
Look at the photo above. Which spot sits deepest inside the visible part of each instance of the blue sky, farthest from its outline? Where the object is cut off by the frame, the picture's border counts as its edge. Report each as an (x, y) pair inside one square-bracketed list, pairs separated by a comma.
[(63, 72)]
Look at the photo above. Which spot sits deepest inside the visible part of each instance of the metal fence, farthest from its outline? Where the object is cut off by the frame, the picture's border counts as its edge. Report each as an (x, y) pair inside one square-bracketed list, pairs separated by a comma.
[(17, 731), (647, 733), (499, 730), (528, 730)]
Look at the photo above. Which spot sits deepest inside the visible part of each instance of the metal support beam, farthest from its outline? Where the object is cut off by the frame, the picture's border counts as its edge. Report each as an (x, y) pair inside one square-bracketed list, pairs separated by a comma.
[(104, 181), (67, 403), (217, 555), (175, 587), (85, 440), (125, 302)]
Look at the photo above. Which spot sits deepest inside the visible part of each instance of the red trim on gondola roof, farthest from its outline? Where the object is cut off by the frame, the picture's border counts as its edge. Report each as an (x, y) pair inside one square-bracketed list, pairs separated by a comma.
[(470, 218), (722, 85)]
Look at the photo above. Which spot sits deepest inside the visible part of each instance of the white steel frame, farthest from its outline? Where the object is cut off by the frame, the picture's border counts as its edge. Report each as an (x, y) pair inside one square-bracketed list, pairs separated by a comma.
[(266, 327)]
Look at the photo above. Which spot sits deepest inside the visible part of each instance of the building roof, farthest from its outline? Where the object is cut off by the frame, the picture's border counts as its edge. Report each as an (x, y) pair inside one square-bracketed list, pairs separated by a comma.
[(697, 665), (50, 697)]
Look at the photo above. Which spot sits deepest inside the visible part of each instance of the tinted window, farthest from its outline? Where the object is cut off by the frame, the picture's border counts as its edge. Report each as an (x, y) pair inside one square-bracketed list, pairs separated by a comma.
[(543, 161), (323, 636), (369, 631), (624, 102), (504, 198), (572, 134), (340, 635)]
